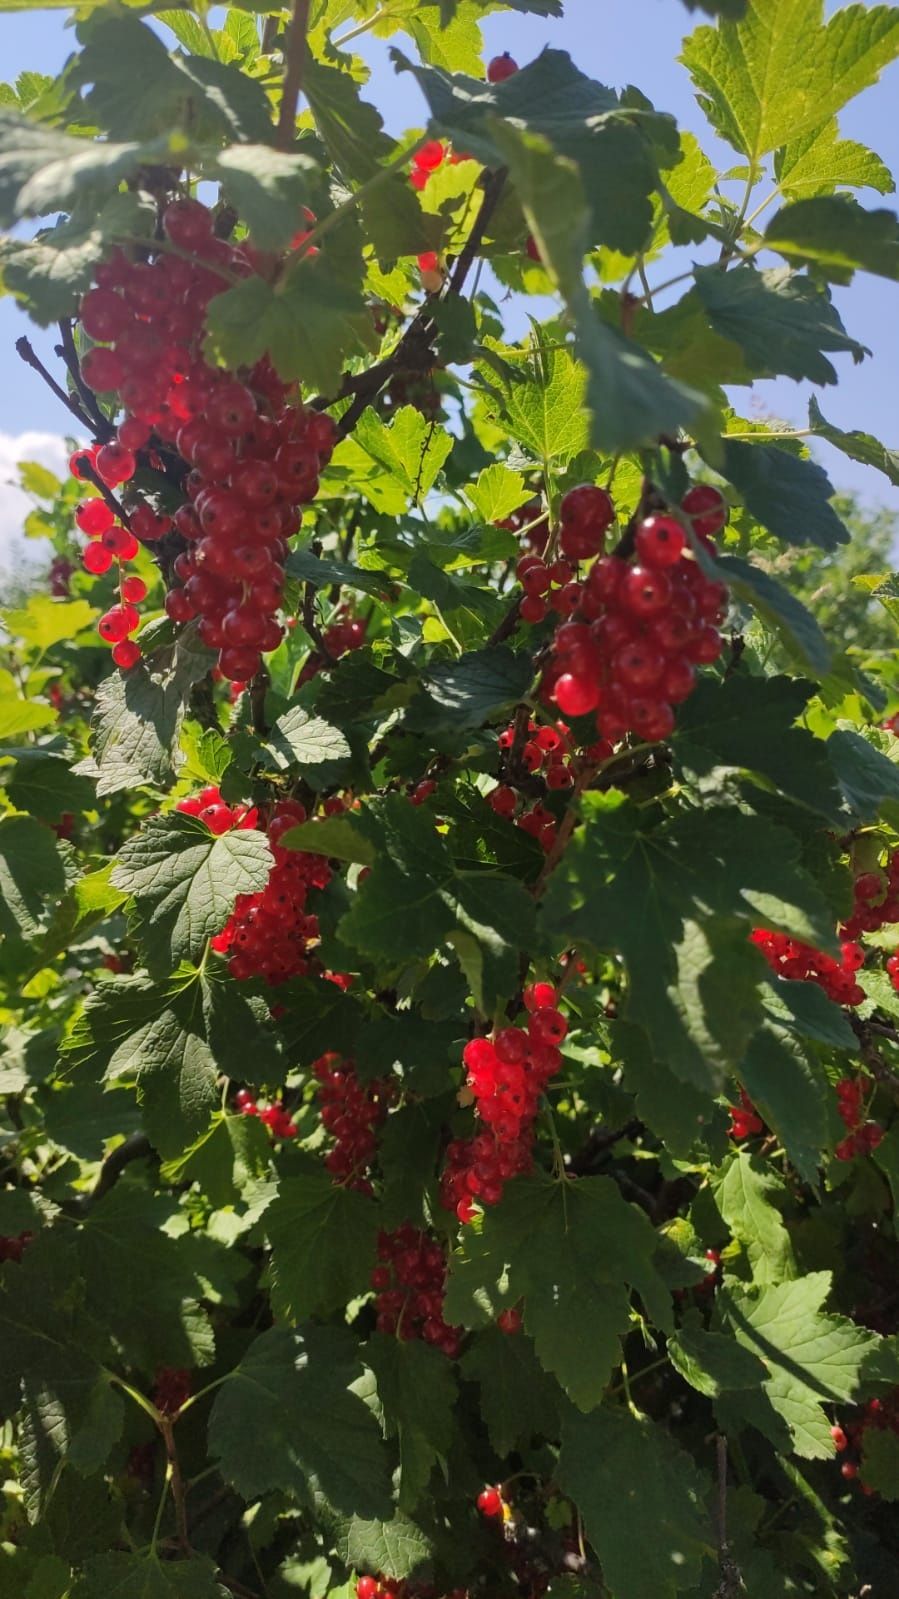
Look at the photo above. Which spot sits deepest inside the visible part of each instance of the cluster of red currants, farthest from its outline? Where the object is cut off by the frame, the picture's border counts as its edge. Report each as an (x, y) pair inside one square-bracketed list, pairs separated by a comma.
[(506, 1075), (876, 900), (209, 807), (278, 1120), (13, 1248), (345, 633), (410, 1281), (110, 541), (171, 1390), (550, 752), (638, 627), (878, 1415), (790, 958), (745, 1121), (401, 1588), (350, 1112), (863, 1135), (251, 458), (269, 933), (431, 156)]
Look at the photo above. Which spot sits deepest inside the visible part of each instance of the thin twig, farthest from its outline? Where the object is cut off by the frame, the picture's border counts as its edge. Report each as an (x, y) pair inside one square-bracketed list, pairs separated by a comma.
[(26, 353), (294, 60), (136, 1147), (507, 626), (493, 188), (731, 1584), (176, 1482), (101, 426), (259, 687), (872, 1058), (311, 626)]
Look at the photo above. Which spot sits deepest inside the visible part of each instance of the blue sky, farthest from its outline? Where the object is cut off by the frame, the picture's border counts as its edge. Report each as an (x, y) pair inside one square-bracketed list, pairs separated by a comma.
[(618, 42)]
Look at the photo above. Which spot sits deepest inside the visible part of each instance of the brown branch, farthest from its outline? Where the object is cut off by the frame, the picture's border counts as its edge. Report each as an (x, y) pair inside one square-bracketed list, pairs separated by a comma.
[(507, 626), (598, 1142), (136, 1147), (115, 505), (566, 828), (872, 1059), (494, 183), (259, 687), (101, 426), (731, 1584), (26, 353), (294, 61)]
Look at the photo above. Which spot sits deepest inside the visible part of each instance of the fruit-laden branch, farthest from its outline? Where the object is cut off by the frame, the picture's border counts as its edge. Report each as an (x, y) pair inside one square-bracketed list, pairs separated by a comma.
[(883, 1074)]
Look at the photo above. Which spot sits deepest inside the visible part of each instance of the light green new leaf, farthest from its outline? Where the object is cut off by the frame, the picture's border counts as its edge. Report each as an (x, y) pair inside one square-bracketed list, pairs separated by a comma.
[(748, 1195), (780, 72), (544, 400), (497, 492), (323, 1245), (819, 161), (410, 448), (184, 882), (643, 1501), (287, 1421), (45, 621)]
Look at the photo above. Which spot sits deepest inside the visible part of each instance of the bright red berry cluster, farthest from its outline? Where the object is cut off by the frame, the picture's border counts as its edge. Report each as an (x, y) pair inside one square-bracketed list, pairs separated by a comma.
[(640, 625), (269, 933), (249, 458), (172, 1389), (209, 807), (110, 542), (429, 157), (410, 1281), (876, 900), (745, 1121), (278, 1120), (345, 633), (547, 751), (863, 1135), (506, 1075), (788, 957), (350, 1112), (878, 1415), (13, 1248)]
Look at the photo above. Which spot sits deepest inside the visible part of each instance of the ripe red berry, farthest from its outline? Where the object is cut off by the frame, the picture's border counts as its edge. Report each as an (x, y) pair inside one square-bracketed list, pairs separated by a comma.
[(96, 559), (115, 464), (576, 696), (490, 1502), (501, 67), (706, 508), (509, 1321), (127, 654), (660, 541), (93, 517)]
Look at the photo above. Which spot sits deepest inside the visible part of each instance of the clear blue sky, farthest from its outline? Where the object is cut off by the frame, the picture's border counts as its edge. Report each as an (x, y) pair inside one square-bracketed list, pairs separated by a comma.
[(618, 42)]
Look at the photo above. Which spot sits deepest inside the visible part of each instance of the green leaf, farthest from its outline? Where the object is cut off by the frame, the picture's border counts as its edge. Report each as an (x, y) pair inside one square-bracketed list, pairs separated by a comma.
[(268, 189), (630, 397), (819, 161), (780, 609), (753, 723), (287, 1420), (315, 746), (837, 235), (518, 1400), (411, 449), (351, 129), (676, 1111), (90, 900), (805, 1009), (779, 72), (858, 446), (323, 1245), (137, 89), (866, 776), (544, 402), (789, 1088), (42, 170), (813, 1359), (642, 1500), (749, 1196), (159, 1321), (18, 715), (309, 568), (336, 836), (497, 492), (231, 1156), (465, 693), (184, 882), (310, 322), (712, 1363), (417, 1393), (121, 1576), (782, 322), (394, 1548), (50, 272), (645, 894), (45, 621), (571, 1252), (137, 718), (880, 1462), (45, 785), (32, 874), (788, 495)]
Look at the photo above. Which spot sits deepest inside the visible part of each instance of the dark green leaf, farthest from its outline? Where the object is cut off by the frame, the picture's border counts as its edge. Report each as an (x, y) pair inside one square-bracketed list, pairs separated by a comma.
[(712, 1363), (861, 447), (518, 1400), (837, 235), (417, 1392), (323, 1245), (788, 495), (781, 321), (866, 776)]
